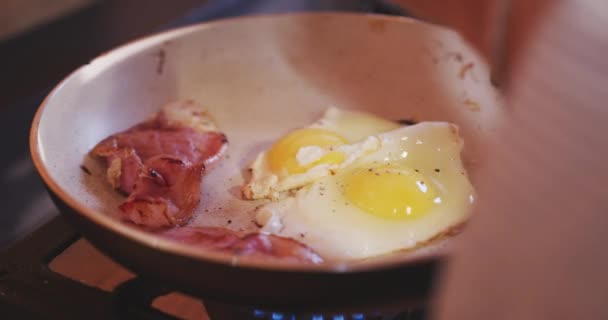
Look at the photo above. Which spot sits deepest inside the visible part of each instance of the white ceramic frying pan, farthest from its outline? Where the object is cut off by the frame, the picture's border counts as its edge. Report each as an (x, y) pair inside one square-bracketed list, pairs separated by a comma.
[(260, 77)]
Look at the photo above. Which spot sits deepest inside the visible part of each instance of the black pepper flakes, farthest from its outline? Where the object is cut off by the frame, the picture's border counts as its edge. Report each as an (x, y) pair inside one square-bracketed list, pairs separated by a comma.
[(229, 221), (416, 170), (437, 170)]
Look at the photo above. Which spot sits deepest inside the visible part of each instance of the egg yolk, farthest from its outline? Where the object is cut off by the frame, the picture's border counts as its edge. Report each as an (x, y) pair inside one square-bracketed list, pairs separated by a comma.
[(283, 154), (390, 192)]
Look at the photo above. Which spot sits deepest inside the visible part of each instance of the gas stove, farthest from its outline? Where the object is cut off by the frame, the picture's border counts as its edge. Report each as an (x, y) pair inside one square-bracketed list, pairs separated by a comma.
[(55, 274), (47, 271)]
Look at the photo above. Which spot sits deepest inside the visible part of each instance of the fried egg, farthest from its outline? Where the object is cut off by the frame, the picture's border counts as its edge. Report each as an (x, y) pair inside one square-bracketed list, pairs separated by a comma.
[(409, 190), (321, 149)]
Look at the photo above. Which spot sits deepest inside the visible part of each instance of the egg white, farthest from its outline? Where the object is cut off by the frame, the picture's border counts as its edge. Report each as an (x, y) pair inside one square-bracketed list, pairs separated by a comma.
[(320, 216)]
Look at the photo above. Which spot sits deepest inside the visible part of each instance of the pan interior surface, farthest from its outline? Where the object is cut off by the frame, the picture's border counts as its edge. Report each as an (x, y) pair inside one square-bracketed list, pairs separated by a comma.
[(260, 78)]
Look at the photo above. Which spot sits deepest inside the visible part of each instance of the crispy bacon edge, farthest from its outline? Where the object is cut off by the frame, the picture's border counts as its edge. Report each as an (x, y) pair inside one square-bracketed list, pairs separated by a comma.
[(240, 244)]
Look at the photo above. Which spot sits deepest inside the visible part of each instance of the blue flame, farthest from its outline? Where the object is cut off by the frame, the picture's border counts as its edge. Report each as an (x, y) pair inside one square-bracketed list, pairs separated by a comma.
[(259, 313), (277, 316)]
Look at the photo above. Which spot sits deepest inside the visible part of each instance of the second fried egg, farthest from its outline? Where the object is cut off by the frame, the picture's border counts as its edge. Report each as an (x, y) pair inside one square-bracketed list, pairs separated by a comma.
[(410, 189)]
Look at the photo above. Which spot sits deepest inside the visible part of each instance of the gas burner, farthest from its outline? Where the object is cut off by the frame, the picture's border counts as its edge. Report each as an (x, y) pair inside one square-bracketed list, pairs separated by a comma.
[(37, 280)]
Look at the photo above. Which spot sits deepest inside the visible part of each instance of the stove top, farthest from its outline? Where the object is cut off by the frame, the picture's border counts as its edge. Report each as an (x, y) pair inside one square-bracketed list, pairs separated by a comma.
[(47, 271), (55, 274)]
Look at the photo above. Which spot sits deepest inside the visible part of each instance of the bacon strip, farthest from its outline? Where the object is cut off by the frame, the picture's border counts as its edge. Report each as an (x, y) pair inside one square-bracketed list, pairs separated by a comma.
[(252, 244), (165, 194), (159, 164)]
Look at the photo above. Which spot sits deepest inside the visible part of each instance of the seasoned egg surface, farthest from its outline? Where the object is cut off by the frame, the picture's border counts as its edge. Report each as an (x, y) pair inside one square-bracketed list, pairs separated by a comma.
[(409, 189), (321, 149)]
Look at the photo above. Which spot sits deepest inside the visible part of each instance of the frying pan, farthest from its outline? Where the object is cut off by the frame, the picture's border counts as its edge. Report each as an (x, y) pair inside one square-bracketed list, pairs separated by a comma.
[(260, 77)]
